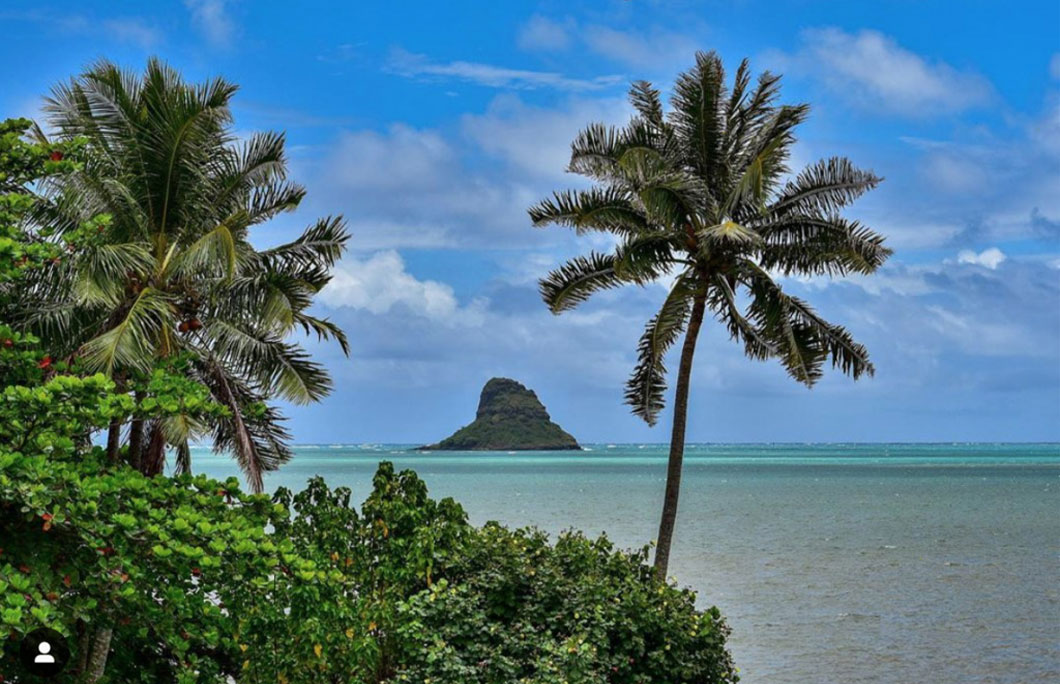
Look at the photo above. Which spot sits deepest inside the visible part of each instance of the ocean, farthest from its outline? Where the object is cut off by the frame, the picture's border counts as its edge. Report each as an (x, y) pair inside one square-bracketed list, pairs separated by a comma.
[(893, 563)]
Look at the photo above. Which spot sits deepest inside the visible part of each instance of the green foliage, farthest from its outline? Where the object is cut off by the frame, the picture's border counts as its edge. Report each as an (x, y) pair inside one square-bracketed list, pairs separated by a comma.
[(509, 417), (514, 608), (24, 163), (698, 192), (170, 268), (195, 581)]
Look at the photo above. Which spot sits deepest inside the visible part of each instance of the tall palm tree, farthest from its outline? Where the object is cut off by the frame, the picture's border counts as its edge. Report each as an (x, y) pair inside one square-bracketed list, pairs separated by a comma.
[(698, 195), (174, 273)]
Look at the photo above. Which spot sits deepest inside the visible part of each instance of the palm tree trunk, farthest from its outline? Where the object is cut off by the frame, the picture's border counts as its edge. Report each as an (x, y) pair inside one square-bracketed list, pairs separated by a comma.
[(183, 464), (97, 662), (113, 441), (114, 430), (136, 437), (677, 440), (155, 457)]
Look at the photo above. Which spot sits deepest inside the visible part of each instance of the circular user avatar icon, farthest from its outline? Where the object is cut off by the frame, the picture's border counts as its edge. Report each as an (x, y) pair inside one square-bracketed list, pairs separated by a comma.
[(44, 652)]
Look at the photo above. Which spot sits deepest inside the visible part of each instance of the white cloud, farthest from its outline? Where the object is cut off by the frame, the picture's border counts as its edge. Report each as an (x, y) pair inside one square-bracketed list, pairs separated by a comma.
[(413, 65), (990, 258), (403, 158), (871, 69), (122, 29), (380, 282), (1001, 185), (649, 49), (408, 187), (211, 18), (541, 33), (536, 141), (915, 233), (642, 49), (955, 175), (133, 31)]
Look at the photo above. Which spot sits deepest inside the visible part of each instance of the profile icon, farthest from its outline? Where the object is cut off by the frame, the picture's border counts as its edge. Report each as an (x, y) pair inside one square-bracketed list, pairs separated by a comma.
[(44, 652), (44, 655)]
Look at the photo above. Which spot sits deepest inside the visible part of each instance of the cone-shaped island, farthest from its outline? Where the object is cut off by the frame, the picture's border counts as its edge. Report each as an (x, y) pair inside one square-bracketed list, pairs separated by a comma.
[(510, 418)]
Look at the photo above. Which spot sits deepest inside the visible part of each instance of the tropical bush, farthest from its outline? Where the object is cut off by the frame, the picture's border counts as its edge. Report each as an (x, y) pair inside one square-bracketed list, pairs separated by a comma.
[(188, 579)]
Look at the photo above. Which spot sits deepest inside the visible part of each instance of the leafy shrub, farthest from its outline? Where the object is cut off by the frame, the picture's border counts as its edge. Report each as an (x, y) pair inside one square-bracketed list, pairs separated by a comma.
[(517, 609), (187, 579)]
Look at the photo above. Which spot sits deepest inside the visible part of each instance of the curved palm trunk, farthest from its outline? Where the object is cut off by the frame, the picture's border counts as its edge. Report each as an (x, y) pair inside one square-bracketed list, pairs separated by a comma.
[(136, 437), (97, 662), (155, 458), (677, 440), (114, 441), (114, 431)]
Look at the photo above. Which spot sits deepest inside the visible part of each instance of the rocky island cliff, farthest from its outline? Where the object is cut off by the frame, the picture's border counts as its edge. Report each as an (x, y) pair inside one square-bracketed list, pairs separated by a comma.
[(510, 418)]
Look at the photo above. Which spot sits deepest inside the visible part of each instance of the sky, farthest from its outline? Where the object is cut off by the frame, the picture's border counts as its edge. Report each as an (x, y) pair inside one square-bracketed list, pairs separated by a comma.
[(432, 127)]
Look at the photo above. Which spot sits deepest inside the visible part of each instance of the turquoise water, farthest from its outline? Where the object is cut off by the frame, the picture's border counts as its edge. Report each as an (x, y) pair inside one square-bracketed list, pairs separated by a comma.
[(833, 563)]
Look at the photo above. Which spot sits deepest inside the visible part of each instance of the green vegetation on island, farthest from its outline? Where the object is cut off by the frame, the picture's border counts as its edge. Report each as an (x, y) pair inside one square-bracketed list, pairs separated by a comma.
[(510, 417)]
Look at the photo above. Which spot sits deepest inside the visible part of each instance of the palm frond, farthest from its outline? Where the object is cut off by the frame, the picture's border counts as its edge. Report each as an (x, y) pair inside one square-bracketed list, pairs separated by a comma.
[(646, 387), (823, 188), (132, 342), (728, 233), (102, 270), (722, 301), (237, 435), (595, 151), (696, 113), (821, 245), (595, 209), (213, 253), (577, 280), (646, 102), (183, 463), (805, 339), (324, 329), (322, 244)]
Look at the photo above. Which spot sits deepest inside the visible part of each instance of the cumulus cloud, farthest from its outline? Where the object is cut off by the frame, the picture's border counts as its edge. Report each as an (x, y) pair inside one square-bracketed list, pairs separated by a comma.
[(413, 65), (990, 258), (542, 33), (536, 140), (872, 70), (131, 30), (123, 29), (641, 49), (405, 187), (380, 283), (211, 18)]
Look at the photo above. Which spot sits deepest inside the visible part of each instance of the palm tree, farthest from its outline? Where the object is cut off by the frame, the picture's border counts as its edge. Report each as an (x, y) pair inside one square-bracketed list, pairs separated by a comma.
[(698, 195), (173, 274)]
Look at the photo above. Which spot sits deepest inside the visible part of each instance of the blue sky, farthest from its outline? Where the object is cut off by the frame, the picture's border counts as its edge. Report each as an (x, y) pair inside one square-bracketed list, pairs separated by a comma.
[(433, 126)]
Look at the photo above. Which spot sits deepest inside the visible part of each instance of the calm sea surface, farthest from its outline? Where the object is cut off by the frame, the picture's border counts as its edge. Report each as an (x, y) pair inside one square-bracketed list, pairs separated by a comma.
[(833, 563)]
